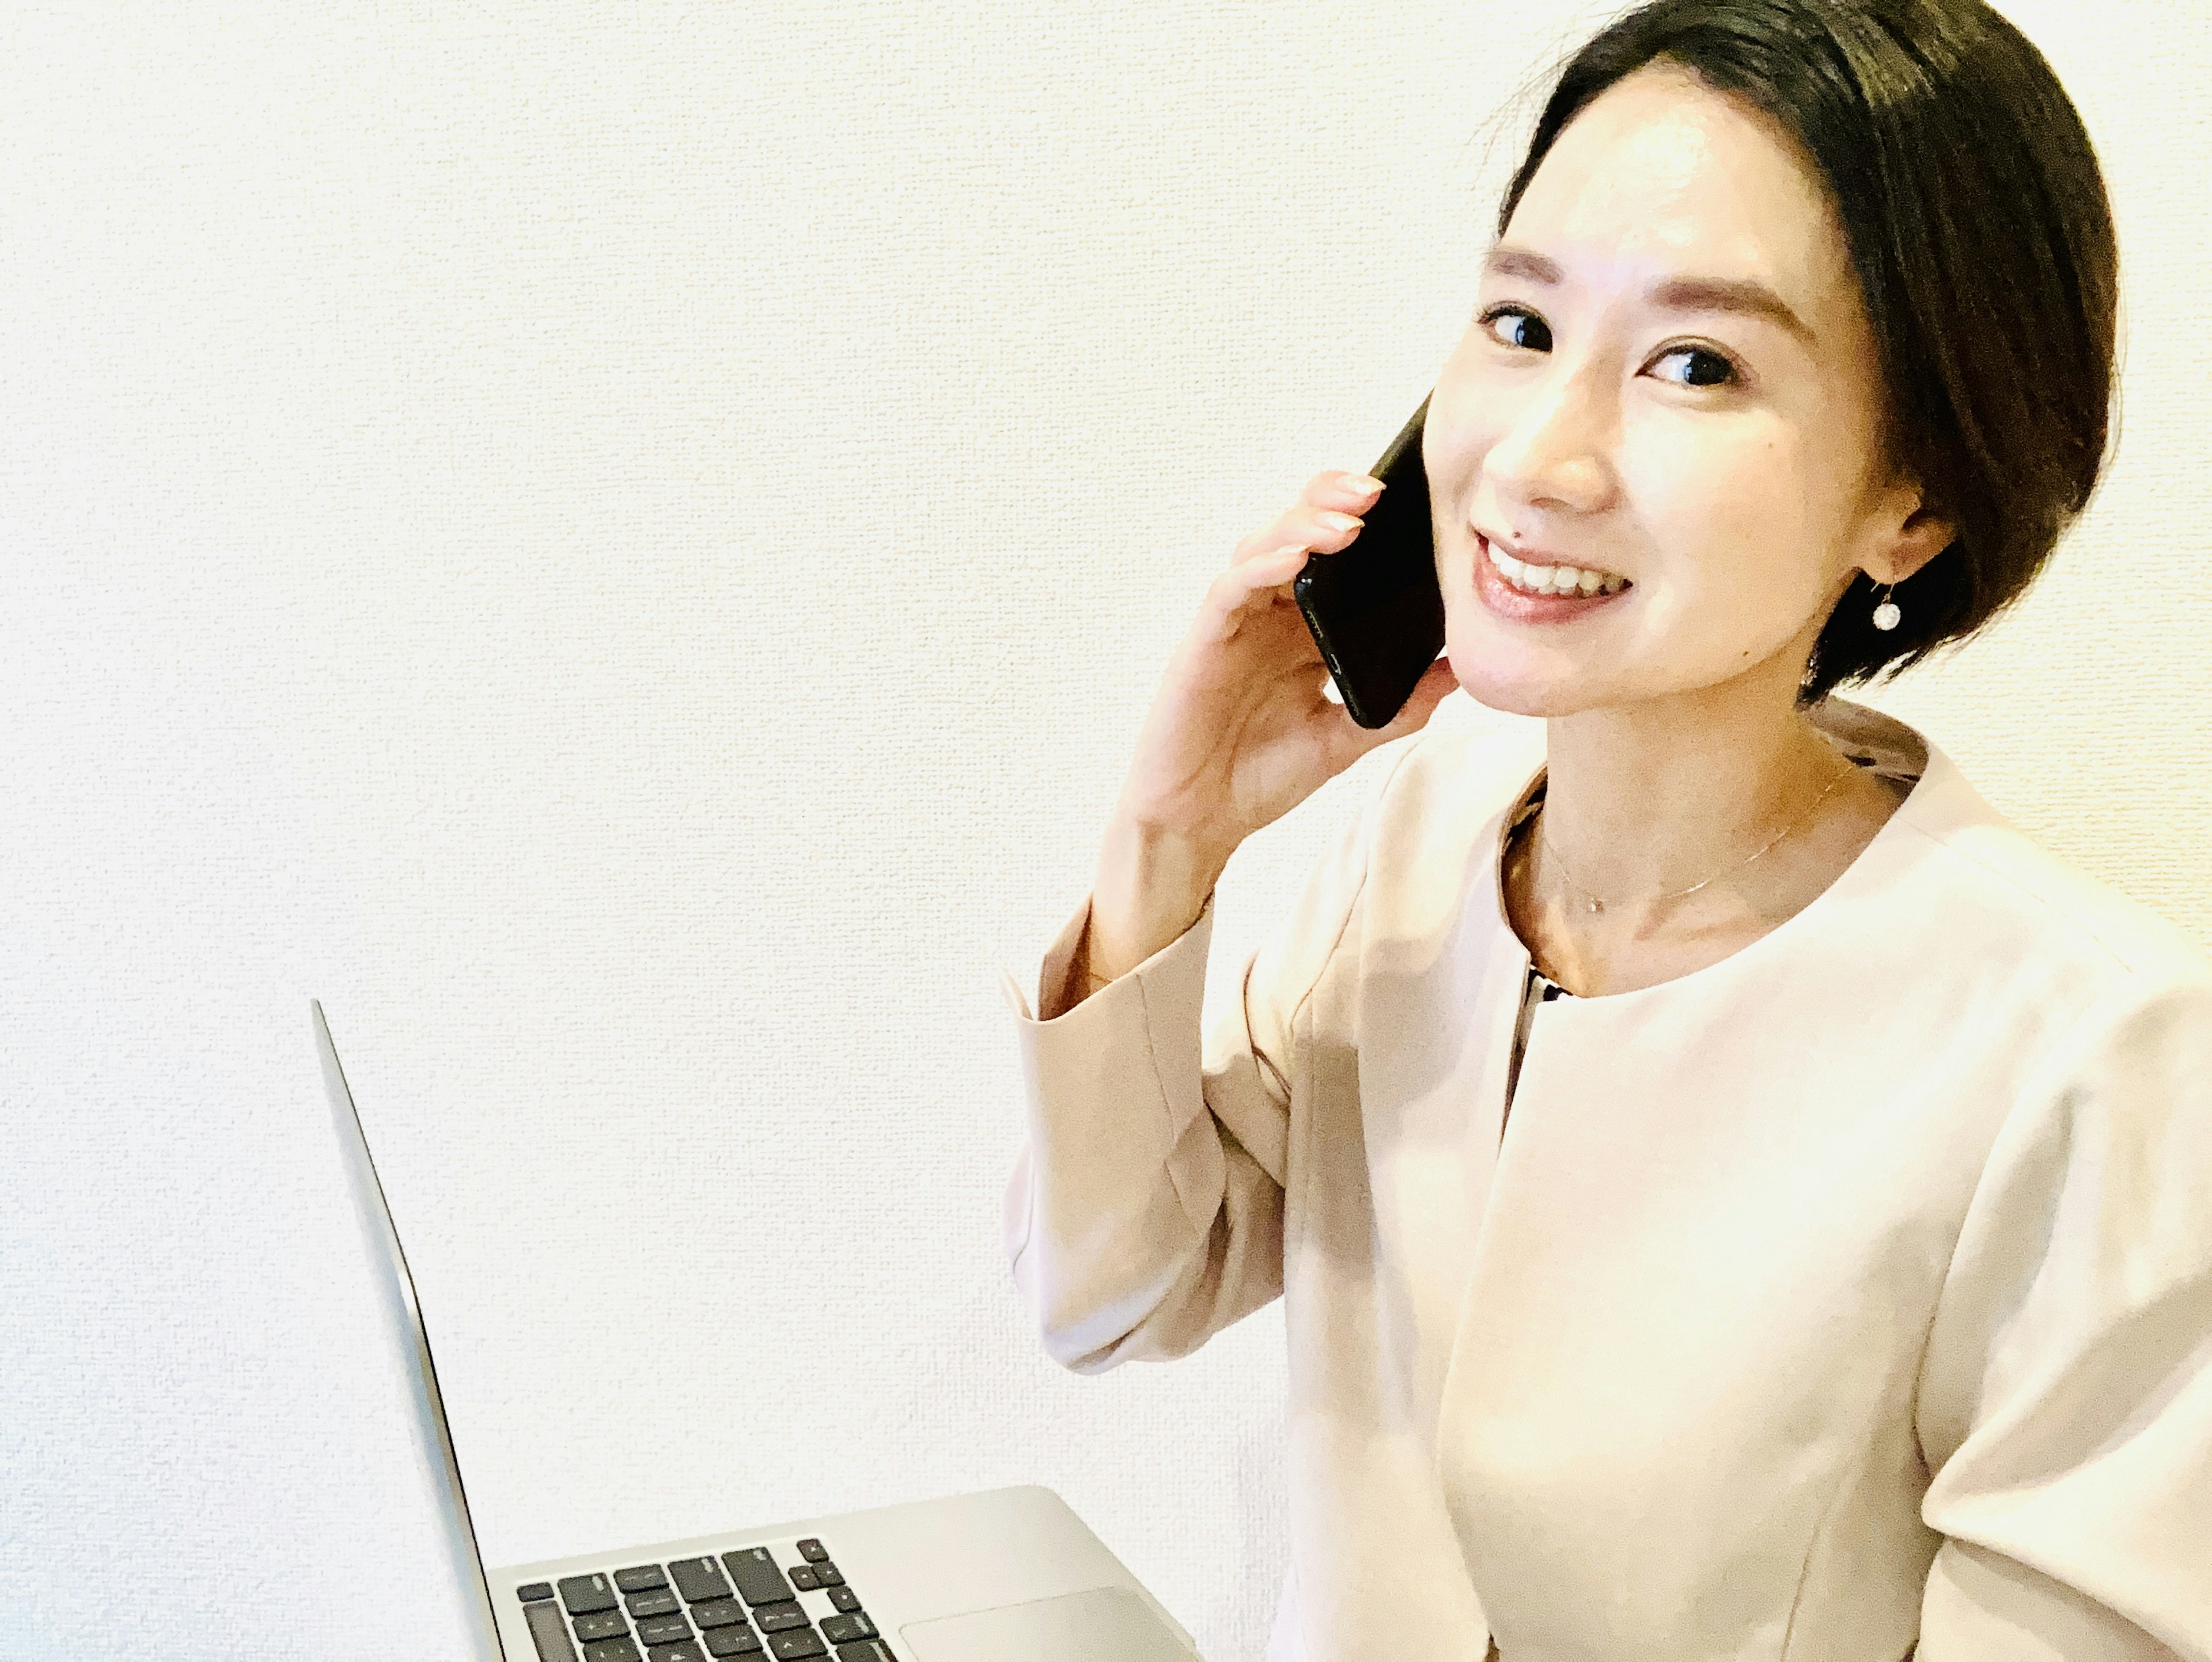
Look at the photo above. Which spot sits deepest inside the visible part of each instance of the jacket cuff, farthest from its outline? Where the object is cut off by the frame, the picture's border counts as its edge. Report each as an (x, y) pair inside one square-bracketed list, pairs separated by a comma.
[(1169, 971)]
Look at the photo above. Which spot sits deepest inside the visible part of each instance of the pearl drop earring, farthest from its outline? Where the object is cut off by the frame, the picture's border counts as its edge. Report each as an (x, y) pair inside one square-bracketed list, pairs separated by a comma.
[(1886, 614)]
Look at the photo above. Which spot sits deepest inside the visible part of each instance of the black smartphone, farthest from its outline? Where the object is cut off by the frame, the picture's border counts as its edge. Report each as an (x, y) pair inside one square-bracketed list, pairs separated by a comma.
[(1375, 609)]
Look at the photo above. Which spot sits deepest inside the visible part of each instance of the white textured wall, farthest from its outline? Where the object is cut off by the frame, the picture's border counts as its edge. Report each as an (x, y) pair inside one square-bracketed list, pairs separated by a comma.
[(623, 549)]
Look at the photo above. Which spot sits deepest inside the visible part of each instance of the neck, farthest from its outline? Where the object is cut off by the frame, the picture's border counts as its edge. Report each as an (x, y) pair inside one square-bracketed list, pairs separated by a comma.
[(1646, 800)]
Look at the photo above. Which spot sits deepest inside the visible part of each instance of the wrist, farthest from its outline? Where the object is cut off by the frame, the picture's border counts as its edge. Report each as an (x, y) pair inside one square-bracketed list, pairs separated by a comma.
[(1151, 884)]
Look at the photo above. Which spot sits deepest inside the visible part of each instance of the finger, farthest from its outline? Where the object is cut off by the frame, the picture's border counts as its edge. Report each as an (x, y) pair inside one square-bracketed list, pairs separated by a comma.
[(1257, 582), (1335, 492), (1349, 741), (1437, 683), (1337, 489), (1324, 530), (1294, 530), (1284, 537)]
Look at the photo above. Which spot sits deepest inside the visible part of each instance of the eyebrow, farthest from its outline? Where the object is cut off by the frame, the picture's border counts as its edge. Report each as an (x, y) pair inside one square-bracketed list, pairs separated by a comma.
[(1674, 293)]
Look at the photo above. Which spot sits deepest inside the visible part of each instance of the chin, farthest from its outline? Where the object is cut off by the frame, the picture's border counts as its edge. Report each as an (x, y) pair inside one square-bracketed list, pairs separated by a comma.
[(1512, 690)]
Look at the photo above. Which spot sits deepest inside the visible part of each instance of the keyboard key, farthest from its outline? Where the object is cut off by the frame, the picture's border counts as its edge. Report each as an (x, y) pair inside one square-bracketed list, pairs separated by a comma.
[(828, 1574), (583, 1594), (605, 1624), (813, 1551), (641, 1578), (686, 1651), (802, 1577), (697, 1579), (864, 1649), (660, 1601), (839, 1630), (550, 1633), (534, 1592), (732, 1641), (845, 1599), (612, 1650), (663, 1630), (799, 1643), (718, 1612), (753, 1568), (775, 1618)]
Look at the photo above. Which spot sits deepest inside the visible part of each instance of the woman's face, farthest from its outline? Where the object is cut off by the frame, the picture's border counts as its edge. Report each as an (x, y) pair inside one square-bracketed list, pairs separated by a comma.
[(1670, 382)]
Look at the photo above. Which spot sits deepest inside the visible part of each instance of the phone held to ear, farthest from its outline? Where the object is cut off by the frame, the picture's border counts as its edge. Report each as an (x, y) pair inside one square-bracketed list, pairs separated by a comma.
[(1375, 609)]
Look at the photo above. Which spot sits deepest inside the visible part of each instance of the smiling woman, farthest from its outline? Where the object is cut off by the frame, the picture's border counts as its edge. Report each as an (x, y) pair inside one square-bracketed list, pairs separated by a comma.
[(1840, 1285), (1974, 271)]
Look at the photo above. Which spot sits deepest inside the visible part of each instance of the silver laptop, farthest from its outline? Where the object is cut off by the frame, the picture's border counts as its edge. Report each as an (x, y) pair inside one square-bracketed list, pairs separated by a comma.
[(1003, 1575)]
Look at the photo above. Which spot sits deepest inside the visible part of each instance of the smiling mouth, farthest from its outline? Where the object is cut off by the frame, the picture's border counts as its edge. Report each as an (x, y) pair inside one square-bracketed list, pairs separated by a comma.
[(1554, 579)]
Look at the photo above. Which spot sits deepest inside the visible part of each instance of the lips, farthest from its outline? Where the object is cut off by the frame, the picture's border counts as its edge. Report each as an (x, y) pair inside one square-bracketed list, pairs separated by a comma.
[(1530, 593)]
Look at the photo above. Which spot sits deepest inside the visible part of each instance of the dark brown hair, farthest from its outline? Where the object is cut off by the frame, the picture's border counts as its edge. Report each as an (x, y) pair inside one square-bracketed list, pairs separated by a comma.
[(1982, 238)]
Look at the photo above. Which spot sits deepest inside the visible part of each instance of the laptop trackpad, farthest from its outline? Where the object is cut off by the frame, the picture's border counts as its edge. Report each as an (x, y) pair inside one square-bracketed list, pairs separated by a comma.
[(1101, 1624)]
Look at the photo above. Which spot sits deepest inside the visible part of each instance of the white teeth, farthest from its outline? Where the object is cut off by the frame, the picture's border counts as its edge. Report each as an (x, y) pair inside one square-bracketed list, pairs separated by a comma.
[(1552, 579)]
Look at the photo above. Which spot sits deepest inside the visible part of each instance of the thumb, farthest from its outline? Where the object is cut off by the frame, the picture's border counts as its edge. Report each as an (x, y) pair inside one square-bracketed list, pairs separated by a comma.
[(1436, 683), (1349, 741)]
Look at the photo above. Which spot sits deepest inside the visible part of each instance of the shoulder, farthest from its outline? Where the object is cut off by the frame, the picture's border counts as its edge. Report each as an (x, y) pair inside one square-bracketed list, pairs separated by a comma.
[(1400, 866), (1450, 783), (1977, 912), (1983, 880), (1431, 819)]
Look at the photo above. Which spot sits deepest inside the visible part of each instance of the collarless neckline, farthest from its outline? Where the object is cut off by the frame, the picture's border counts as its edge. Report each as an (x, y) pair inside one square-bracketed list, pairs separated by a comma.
[(1867, 737)]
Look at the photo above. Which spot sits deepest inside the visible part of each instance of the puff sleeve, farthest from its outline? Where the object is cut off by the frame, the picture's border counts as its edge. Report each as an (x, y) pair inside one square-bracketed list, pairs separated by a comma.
[(1144, 1210), (2065, 1404)]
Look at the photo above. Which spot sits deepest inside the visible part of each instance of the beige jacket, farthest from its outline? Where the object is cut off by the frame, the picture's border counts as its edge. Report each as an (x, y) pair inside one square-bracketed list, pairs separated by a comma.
[(1851, 1293)]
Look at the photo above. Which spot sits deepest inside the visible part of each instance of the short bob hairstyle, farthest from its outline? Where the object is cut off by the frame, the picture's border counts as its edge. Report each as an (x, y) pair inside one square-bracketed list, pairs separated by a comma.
[(1977, 222)]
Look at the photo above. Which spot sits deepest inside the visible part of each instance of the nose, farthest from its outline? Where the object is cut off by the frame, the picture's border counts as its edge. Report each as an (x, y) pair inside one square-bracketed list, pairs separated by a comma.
[(1553, 451)]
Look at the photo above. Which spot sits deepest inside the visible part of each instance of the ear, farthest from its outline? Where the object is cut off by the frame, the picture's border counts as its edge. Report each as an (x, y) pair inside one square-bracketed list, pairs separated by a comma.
[(1909, 535)]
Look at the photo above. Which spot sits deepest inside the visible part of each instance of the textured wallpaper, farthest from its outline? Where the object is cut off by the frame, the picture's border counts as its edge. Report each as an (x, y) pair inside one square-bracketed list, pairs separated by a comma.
[(623, 549)]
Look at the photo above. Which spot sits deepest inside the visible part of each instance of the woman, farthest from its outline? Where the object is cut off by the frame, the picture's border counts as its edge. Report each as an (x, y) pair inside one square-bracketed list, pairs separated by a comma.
[(1841, 1280)]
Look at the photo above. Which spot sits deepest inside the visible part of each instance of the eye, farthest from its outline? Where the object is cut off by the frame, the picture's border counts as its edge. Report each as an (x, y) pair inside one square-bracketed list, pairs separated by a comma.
[(1717, 370), (1712, 361), (1536, 323)]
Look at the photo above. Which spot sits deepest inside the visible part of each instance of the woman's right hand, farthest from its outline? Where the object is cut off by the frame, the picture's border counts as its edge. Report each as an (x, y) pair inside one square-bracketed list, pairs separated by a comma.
[(1239, 733)]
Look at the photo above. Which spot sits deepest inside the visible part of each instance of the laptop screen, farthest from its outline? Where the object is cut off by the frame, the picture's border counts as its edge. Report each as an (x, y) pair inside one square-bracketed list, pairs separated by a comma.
[(404, 1321)]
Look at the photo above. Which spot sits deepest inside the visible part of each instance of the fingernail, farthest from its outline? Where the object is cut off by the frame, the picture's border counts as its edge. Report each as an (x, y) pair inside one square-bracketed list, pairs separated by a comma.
[(1362, 483), (1336, 522)]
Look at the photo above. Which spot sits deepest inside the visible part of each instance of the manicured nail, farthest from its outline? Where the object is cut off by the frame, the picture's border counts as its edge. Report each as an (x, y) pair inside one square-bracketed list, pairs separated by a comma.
[(1362, 483), (1336, 522)]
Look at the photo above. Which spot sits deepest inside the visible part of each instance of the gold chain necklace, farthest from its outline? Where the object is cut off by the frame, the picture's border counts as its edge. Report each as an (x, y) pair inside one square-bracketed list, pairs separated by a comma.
[(1598, 905)]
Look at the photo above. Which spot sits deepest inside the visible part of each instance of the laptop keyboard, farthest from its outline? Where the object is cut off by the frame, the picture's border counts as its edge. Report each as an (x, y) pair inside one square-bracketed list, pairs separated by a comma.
[(742, 1605)]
